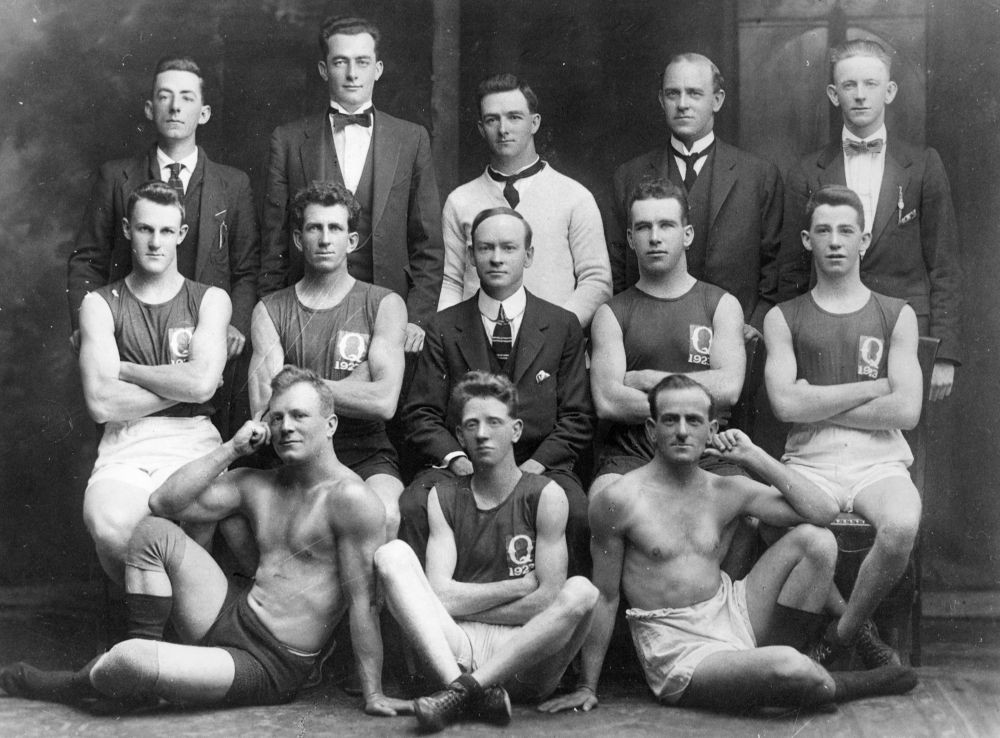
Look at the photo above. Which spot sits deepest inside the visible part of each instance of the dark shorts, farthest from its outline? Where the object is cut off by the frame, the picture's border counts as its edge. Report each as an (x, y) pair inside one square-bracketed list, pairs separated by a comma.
[(368, 455), (613, 464), (267, 672)]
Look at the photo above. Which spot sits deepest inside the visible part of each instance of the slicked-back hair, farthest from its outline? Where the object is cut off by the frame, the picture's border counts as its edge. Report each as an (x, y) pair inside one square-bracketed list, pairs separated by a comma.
[(326, 194), (490, 212), (155, 191), (679, 382), (478, 384), (834, 195), (291, 375), (176, 63), (659, 189), (505, 82), (718, 81), (348, 26), (860, 47)]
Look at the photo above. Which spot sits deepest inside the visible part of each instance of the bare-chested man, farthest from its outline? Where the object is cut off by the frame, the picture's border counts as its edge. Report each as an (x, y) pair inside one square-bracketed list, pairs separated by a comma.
[(317, 527), (704, 640)]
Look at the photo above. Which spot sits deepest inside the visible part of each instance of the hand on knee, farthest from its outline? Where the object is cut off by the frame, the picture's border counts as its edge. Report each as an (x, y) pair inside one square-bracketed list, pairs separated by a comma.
[(129, 669)]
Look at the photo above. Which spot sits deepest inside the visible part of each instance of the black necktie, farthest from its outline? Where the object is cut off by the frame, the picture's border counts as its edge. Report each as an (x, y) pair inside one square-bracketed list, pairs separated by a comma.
[(340, 120), (690, 175), (175, 178), (502, 337), (853, 148), (509, 193)]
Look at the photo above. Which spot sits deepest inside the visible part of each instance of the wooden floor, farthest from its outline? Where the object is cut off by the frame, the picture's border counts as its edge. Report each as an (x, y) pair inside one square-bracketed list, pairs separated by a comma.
[(958, 694)]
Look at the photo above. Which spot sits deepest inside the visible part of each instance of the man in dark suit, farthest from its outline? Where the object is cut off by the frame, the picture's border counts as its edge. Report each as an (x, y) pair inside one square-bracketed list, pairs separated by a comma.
[(735, 197), (506, 330), (384, 161), (222, 246), (908, 210)]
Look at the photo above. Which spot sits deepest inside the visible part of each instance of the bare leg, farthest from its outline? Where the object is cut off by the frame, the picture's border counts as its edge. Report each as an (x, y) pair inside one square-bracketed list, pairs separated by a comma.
[(893, 506), (544, 646), (111, 510), (427, 625), (388, 489)]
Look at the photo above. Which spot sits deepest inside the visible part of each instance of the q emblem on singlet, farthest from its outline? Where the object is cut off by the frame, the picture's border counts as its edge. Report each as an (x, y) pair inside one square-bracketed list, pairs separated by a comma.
[(179, 343), (520, 555), (352, 350), (699, 344), (870, 351)]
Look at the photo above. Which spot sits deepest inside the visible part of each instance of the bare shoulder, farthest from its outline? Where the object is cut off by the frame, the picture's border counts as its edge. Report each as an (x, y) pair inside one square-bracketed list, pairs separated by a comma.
[(352, 505)]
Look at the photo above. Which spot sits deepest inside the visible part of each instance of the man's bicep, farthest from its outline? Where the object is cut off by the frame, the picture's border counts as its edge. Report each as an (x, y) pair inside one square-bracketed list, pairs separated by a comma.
[(607, 545), (385, 353), (99, 357), (551, 559), (727, 351), (442, 555), (780, 367), (208, 343)]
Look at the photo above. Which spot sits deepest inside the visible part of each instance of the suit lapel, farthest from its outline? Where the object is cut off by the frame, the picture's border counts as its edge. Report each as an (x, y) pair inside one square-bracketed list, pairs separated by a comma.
[(530, 339), (894, 182), (311, 155), (831, 165), (471, 340), (212, 229), (385, 159), (723, 178)]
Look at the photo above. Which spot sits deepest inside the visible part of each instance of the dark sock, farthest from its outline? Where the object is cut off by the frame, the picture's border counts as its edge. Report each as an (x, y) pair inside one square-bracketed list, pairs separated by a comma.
[(850, 685), (24, 680), (468, 685), (147, 615), (790, 626)]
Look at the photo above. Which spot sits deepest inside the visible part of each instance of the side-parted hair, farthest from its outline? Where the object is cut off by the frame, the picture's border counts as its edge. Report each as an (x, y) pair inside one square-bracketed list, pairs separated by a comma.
[(679, 382), (718, 81), (659, 189), (155, 191), (180, 64), (490, 212), (860, 47), (477, 384), (291, 375), (834, 195), (505, 82), (326, 194), (348, 26)]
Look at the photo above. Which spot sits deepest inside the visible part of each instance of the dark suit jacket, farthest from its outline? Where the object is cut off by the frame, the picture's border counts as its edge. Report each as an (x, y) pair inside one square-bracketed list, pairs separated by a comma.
[(916, 260), (744, 225), (228, 245), (406, 213), (556, 409)]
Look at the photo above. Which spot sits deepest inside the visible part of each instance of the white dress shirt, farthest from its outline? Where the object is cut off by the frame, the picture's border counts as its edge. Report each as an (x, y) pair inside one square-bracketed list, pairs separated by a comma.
[(188, 163), (863, 173), (700, 145), (352, 142), (513, 308)]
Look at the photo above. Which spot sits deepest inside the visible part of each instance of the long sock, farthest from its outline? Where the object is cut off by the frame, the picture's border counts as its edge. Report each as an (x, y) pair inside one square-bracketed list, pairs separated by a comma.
[(24, 680), (147, 615), (851, 685), (791, 626)]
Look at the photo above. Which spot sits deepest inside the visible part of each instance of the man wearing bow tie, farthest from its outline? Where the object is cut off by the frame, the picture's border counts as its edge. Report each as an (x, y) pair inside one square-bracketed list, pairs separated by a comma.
[(571, 260), (222, 247), (384, 161), (735, 197), (504, 329), (907, 203)]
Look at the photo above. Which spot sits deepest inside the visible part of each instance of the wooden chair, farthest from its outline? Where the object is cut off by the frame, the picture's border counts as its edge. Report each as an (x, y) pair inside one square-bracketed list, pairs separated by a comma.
[(898, 616)]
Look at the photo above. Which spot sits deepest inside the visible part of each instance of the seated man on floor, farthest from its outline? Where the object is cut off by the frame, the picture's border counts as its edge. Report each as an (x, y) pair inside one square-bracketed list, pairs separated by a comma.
[(317, 527), (152, 351), (667, 323), (842, 367), (495, 613), (503, 329), (347, 331), (704, 640)]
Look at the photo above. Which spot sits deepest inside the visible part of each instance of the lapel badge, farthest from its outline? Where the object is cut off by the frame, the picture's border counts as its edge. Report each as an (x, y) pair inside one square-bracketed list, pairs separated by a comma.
[(541, 376), (908, 217)]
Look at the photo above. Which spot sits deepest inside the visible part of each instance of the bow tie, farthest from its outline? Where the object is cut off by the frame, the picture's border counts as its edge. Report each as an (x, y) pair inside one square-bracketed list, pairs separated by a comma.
[(872, 146), (340, 120)]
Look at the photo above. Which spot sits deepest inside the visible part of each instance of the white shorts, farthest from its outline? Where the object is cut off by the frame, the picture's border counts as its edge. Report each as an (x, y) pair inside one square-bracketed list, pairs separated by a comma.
[(482, 641), (844, 482), (532, 684), (143, 453), (672, 642)]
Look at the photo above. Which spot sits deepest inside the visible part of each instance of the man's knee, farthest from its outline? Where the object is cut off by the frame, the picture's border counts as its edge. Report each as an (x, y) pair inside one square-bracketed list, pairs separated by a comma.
[(898, 536), (395, 559), (111, 528), (129, 668), (156, 545), (577, 597), (816, 544), (792, 671)]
